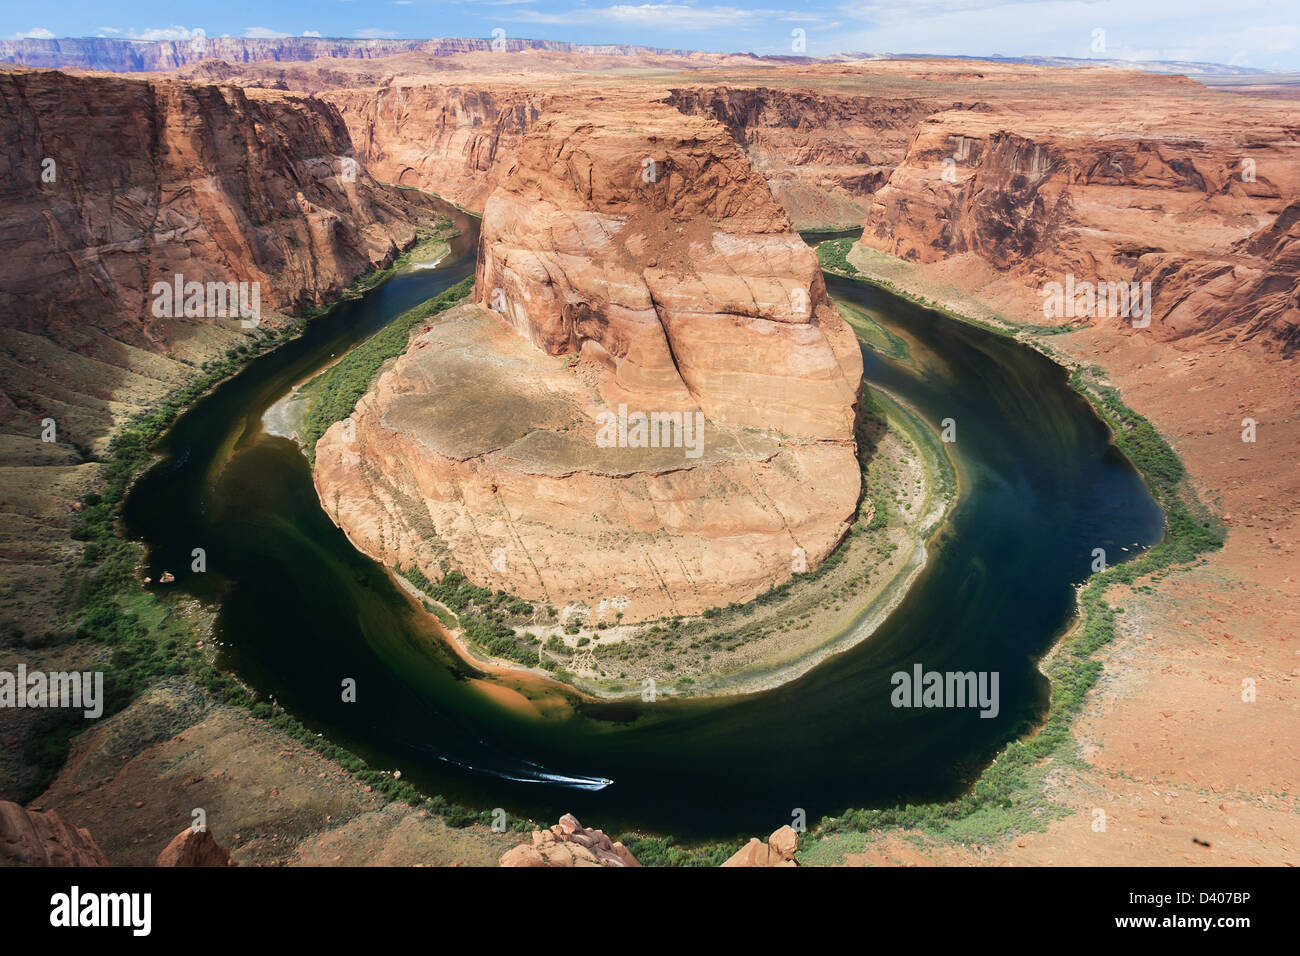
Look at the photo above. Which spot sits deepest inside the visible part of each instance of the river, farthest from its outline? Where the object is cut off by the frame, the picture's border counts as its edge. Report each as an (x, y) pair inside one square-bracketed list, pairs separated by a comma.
[(300, 610)]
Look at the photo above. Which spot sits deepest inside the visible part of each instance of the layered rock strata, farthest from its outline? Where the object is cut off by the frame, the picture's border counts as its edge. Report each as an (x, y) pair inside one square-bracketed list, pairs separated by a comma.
[(112, 185), (1203, 212), (650, 409), (449, 140)]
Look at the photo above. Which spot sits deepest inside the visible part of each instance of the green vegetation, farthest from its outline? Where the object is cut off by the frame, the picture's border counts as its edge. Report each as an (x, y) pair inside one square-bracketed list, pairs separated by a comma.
[(147, 641), (881, 339), (336, 391), (834, 257), (444, 229), (666, 851), (150, 641), (1007, 796), (484, 616), (110, 605)]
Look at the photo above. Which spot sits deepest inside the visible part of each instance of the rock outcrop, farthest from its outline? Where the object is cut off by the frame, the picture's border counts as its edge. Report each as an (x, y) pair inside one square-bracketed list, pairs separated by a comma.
[(779, 850), (450, 140), (650, 244), (1251, 291), (111, 185), (194, 847), (824, 154), (43, 838), (1009, 199), (651, 407), (569, 843)]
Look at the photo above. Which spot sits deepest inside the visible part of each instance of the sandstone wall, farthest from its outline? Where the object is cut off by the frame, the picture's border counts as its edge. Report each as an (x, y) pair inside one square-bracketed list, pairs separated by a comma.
[(448, 140), (823, 154), (153, 178), (651, 244), (1202, 209), (627, 261)]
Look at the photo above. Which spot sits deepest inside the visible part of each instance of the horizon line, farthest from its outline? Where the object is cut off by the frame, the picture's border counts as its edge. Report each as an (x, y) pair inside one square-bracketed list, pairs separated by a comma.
[(672, 50)]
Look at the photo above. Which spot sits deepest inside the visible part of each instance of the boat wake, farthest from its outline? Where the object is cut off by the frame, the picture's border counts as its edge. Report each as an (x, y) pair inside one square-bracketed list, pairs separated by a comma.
[(534, 773)]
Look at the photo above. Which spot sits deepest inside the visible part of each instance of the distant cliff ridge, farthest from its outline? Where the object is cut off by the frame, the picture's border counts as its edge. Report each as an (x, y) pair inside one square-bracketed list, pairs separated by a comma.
[(142, 56)]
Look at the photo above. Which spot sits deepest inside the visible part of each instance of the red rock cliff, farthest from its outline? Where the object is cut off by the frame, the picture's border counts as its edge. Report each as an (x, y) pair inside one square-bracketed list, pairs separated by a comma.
[(629, 263), (449, 140), (147, 179), (1201, 207), (650, 244)]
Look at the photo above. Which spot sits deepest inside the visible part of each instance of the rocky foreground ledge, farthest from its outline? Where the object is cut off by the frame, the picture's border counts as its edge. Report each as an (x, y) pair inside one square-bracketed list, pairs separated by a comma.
[(570, 844), (44, 838)]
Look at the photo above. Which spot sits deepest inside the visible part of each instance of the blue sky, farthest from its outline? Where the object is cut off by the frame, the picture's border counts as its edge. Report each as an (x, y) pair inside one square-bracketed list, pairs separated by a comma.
[(1254, 33)]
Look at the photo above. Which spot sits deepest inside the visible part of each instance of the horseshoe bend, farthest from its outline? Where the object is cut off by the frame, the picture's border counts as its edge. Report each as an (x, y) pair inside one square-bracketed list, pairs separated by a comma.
[(624, 263), (521, 452)]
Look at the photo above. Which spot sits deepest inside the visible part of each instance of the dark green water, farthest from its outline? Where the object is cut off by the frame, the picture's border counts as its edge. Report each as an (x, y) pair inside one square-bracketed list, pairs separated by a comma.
[(300, 609)]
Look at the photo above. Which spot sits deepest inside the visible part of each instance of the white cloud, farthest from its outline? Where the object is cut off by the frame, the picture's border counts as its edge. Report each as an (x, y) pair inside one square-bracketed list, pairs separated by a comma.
[(668, 16), (173, 32), (1189, 30), (36, 33), (373, 33), (264, 33), (311, 33)]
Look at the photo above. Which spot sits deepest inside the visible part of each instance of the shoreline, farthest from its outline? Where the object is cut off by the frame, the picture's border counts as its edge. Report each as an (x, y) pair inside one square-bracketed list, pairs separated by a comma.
[(1014, 782), (326, 747), (1027, 338), (129, 453), (861, 624), (784, 654), (751, 646)]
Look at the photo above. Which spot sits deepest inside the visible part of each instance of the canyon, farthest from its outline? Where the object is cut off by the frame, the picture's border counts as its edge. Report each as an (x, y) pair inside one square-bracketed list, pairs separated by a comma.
[(230, 169), (110, 185), (655, 262)]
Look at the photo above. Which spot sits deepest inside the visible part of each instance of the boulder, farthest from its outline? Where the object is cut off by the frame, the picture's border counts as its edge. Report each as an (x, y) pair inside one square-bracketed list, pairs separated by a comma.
[(569, 843), (194, 847), (43, 838), (779, 850)]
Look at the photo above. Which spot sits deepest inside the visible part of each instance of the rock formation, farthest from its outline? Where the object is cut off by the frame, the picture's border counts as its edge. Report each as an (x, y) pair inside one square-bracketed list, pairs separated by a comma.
[(111, 185), (193, 847), (1012, 198), (36, 838), (779, 850), (629, 266), (1250, 291), (823, 154), (569, 843), (450, 140), (995, 177), (651, 245)]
